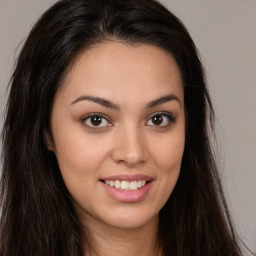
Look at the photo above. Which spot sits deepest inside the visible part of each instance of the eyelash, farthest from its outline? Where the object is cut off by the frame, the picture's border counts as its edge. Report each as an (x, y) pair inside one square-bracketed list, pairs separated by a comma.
[(98, 115), (170, 117)]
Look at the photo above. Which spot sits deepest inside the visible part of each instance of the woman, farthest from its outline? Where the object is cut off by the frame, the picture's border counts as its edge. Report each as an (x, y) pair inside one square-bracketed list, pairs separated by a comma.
[(106, 147)]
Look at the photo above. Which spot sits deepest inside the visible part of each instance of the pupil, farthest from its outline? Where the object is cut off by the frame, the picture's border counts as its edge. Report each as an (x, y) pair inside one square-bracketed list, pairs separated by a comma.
[(96, 120), (157, 120)]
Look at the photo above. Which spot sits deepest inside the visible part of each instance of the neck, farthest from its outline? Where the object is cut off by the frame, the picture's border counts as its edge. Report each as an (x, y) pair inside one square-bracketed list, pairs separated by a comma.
[(109, 241)]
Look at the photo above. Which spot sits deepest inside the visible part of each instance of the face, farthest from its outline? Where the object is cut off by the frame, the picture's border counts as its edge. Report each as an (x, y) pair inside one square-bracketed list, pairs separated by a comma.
[(118, 133)]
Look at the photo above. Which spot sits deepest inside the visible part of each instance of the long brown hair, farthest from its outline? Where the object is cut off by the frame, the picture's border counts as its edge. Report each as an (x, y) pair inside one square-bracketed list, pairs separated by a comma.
[(37, 212)]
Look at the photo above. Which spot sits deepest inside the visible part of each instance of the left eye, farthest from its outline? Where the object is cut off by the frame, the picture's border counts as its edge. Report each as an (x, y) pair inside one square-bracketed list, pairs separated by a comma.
[(95, 121), (161, 120)]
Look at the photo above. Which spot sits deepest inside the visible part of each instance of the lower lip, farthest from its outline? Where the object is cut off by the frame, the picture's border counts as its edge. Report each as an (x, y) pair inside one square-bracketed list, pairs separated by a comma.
[(128, 196)]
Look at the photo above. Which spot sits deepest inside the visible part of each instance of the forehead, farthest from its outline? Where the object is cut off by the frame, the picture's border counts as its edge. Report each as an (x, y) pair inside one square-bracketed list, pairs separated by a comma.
[(115, 70)]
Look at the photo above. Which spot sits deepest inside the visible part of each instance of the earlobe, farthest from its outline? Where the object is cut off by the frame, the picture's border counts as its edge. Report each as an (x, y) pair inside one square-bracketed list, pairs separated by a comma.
[(48, 141)]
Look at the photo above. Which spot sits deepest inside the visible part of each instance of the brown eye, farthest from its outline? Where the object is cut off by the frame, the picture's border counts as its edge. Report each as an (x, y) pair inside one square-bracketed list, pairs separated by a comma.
[(157, 119), (160, 120), (96, 121)]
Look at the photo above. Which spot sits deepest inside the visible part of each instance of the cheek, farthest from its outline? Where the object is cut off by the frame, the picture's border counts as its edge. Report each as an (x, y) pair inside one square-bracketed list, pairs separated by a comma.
[(80, 155), (79, 159), (167, 158), (168, 153)]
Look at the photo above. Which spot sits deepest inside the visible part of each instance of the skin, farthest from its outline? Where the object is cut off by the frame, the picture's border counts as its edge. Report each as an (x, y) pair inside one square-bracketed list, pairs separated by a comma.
[(127, 141)]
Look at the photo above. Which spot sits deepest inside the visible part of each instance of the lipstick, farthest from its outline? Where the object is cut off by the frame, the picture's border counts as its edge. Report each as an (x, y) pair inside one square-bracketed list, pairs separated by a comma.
[(127, 188)]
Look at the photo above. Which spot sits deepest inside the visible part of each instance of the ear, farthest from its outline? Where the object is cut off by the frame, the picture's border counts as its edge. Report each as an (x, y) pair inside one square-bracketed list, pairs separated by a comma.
[(48, 141)]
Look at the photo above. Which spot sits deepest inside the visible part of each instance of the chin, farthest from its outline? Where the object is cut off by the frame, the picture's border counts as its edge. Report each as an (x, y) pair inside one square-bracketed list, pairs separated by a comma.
[(130, 219)]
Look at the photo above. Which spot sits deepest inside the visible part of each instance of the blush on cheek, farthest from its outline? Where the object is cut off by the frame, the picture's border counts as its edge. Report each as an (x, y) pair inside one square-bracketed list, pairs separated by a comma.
[(170, 157)]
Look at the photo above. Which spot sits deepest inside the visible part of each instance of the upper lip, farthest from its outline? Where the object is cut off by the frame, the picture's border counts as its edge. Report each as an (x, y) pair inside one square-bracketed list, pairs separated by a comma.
[(129, 177)]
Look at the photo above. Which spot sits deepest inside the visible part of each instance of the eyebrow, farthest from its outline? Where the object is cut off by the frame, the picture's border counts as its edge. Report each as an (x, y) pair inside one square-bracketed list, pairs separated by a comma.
[(98, 100), (163, 100), (106, 103)]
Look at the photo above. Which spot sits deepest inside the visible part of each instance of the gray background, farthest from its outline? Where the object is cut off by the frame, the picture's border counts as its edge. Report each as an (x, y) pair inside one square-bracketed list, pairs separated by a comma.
[(225, 33)]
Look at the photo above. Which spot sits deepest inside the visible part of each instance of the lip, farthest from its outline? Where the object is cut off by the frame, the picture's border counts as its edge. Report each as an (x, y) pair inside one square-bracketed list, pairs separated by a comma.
[(128, 177), (128, 196)]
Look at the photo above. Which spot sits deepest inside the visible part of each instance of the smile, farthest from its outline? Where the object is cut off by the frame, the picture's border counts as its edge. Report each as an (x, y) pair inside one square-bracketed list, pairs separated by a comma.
[(128, 188), (126, 185)]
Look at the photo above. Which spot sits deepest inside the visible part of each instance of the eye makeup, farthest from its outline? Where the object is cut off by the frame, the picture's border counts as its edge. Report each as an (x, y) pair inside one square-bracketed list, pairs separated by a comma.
[(99, 121)]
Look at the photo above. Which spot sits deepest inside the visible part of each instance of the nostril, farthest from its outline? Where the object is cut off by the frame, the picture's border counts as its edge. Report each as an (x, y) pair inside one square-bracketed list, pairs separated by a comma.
[(131, 150)]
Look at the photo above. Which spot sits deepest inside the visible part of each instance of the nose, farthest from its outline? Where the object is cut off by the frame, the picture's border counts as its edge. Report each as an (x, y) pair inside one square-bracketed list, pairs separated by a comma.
[(130, 147)]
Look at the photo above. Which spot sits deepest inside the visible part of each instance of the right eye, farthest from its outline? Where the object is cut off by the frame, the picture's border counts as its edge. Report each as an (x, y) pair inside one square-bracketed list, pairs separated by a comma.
[(96, 121)]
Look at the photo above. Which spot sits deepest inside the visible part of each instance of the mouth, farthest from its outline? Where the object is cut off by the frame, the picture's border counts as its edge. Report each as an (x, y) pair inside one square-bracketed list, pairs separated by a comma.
[(128, 188), (124, 185)]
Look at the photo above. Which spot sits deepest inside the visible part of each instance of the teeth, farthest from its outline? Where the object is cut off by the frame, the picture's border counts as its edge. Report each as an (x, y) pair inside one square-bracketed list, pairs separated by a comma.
[(117, 184), (126, 185), (133, 185), (112, 183)]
